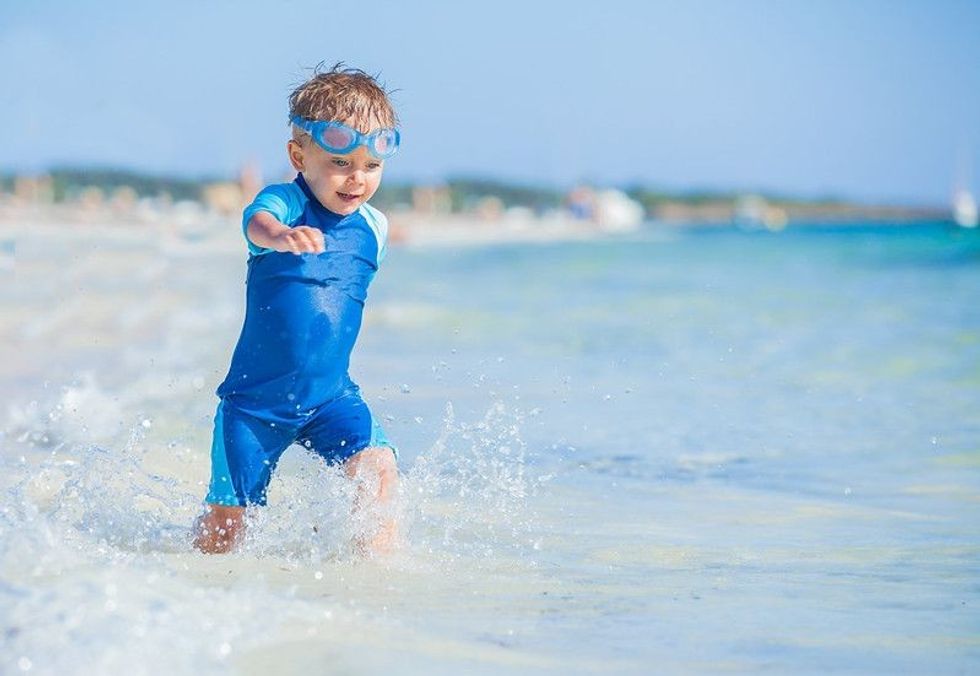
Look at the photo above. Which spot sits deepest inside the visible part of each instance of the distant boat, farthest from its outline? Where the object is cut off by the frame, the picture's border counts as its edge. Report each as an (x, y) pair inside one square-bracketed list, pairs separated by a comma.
[(615, 212), (965, 209)]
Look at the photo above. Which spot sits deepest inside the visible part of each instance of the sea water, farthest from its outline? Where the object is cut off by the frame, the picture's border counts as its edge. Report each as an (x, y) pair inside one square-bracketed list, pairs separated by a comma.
[(666, 452)]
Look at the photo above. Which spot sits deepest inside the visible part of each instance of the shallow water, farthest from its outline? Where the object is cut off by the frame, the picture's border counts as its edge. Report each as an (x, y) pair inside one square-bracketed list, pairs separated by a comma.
[(700, 451)]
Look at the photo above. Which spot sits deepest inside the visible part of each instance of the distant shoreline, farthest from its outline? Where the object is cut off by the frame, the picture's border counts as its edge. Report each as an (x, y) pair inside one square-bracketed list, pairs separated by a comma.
[(86, 190), (189, 229)]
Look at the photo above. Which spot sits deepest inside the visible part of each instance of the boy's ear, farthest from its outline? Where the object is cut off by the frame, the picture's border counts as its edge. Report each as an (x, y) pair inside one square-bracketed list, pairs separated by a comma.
[(295, 152)]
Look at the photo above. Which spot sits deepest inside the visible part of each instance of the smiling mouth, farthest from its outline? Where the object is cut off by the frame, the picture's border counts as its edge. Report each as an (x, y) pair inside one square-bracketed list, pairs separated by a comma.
[(347, 197)]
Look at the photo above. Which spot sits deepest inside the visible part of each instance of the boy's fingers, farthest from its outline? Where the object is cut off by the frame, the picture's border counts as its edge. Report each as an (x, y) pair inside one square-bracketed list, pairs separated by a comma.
[(316, 239), (305, 244), (304, 239), (318, 245), (313, 238)]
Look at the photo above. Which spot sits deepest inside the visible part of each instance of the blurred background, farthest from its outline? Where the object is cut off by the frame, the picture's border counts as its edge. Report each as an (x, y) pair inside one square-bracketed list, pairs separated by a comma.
[(686, 107), (678, 336)]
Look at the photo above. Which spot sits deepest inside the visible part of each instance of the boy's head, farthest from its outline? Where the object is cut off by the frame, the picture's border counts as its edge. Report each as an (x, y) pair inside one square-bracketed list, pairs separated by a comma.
[(342, 179), (347, 95)]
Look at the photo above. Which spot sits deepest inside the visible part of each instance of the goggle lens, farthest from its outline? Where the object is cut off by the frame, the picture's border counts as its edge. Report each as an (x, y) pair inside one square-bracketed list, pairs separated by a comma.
[(385, 143), (338, 138)]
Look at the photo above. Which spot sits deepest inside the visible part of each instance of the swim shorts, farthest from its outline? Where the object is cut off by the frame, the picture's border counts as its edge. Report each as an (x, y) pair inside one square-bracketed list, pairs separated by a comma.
[(246, 448)]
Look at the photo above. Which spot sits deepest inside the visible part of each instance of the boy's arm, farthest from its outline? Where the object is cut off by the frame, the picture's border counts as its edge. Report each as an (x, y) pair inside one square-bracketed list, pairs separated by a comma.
[(266, 231)]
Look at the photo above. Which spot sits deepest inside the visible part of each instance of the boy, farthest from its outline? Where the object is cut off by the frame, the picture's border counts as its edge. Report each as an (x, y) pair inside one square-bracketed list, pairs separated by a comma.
[(314, 246)]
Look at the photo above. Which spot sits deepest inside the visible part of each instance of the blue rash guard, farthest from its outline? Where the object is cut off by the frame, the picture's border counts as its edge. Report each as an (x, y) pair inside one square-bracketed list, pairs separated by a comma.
[(288, 381), (303, 312)]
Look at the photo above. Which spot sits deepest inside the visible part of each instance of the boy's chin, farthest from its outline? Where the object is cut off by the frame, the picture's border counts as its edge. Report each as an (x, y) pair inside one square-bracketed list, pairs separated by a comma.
[(343, 207)]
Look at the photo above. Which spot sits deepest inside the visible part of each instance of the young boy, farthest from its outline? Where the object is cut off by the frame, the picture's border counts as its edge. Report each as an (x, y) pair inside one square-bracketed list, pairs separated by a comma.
[(314, 245)]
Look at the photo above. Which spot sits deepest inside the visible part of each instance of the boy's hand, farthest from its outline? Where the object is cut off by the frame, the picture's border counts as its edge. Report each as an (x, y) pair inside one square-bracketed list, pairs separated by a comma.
[(265, 231), (299, 239)]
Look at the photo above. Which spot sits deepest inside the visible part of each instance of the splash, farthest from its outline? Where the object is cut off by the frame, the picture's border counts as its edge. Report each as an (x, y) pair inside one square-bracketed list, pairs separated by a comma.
[(467, 495), (470, 493)]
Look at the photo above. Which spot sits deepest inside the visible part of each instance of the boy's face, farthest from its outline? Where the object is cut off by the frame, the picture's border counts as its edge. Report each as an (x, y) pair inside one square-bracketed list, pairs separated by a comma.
[(342, 183)]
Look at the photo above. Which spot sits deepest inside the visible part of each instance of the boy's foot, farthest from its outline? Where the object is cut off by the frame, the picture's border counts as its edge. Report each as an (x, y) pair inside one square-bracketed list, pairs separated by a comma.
[(219, 529), (381, 542)]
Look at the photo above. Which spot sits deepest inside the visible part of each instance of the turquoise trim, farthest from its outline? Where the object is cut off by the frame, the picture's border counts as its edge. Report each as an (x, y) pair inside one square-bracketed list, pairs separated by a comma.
[(379, 439), (221, 490), (379, 226)]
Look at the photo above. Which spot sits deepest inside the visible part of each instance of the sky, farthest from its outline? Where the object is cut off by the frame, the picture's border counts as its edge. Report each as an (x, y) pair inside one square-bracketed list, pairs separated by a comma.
[(865, 100)]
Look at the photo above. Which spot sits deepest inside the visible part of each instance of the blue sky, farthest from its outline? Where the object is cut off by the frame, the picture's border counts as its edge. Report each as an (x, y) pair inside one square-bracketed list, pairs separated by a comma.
[(866, 100)]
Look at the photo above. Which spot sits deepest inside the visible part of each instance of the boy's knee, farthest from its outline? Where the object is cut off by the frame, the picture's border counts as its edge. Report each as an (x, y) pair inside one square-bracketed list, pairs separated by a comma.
[(379, 461)]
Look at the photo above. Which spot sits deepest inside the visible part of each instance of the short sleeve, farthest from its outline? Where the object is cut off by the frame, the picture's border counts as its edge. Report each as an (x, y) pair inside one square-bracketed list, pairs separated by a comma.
[(285, 201), (379, 224)]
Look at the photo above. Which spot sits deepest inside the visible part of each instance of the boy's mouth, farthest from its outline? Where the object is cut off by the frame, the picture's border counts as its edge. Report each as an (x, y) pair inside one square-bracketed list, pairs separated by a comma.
[(347, 197)]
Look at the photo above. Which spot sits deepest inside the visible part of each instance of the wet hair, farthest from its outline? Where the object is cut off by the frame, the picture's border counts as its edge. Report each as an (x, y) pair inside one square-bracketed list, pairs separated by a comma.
[(347, 95)]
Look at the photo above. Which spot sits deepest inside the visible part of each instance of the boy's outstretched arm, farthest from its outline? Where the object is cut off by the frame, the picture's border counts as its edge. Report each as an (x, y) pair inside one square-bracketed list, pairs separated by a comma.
[(266, 231)]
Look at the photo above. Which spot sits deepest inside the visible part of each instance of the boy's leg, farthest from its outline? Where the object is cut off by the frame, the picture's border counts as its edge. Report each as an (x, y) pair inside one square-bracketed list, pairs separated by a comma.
[(375, 475), (343, 431), (244, 451)]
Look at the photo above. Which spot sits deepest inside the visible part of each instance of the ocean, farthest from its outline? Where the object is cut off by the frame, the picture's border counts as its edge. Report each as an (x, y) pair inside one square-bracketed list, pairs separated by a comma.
[(673, 451)]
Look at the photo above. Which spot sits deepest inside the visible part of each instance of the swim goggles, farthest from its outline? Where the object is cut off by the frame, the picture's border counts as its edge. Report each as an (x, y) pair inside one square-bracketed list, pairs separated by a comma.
[(338, 138)]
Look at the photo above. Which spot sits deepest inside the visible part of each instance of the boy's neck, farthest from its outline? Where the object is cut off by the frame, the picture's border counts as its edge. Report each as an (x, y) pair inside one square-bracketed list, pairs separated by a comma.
[(308, 191)]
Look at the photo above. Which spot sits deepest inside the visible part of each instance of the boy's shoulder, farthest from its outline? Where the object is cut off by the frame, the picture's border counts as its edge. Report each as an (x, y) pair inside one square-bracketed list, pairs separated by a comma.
[(286, 201), (373, 216)]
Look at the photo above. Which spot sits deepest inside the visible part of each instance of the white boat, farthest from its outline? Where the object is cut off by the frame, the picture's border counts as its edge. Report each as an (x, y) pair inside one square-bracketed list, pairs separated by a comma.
[(965, 209), (615, 212)]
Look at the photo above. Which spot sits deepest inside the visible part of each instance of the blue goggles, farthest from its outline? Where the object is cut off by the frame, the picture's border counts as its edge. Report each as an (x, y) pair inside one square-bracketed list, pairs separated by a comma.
[(338, 138)]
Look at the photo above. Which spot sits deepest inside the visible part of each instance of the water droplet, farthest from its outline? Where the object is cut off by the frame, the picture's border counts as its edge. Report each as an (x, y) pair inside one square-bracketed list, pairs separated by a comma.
[(147, 423), (318, 575)]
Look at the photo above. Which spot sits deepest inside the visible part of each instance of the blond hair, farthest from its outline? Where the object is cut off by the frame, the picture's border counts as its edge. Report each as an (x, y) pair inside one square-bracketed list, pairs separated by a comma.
[(347, 95)]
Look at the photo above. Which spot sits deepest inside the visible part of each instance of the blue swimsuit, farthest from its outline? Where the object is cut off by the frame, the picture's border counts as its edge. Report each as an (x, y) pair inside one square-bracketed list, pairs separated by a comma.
[(288, 381)]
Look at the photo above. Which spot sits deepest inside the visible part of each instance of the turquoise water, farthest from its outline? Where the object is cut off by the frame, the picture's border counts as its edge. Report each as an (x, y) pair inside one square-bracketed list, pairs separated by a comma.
[(769, 443), (695, 451)]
